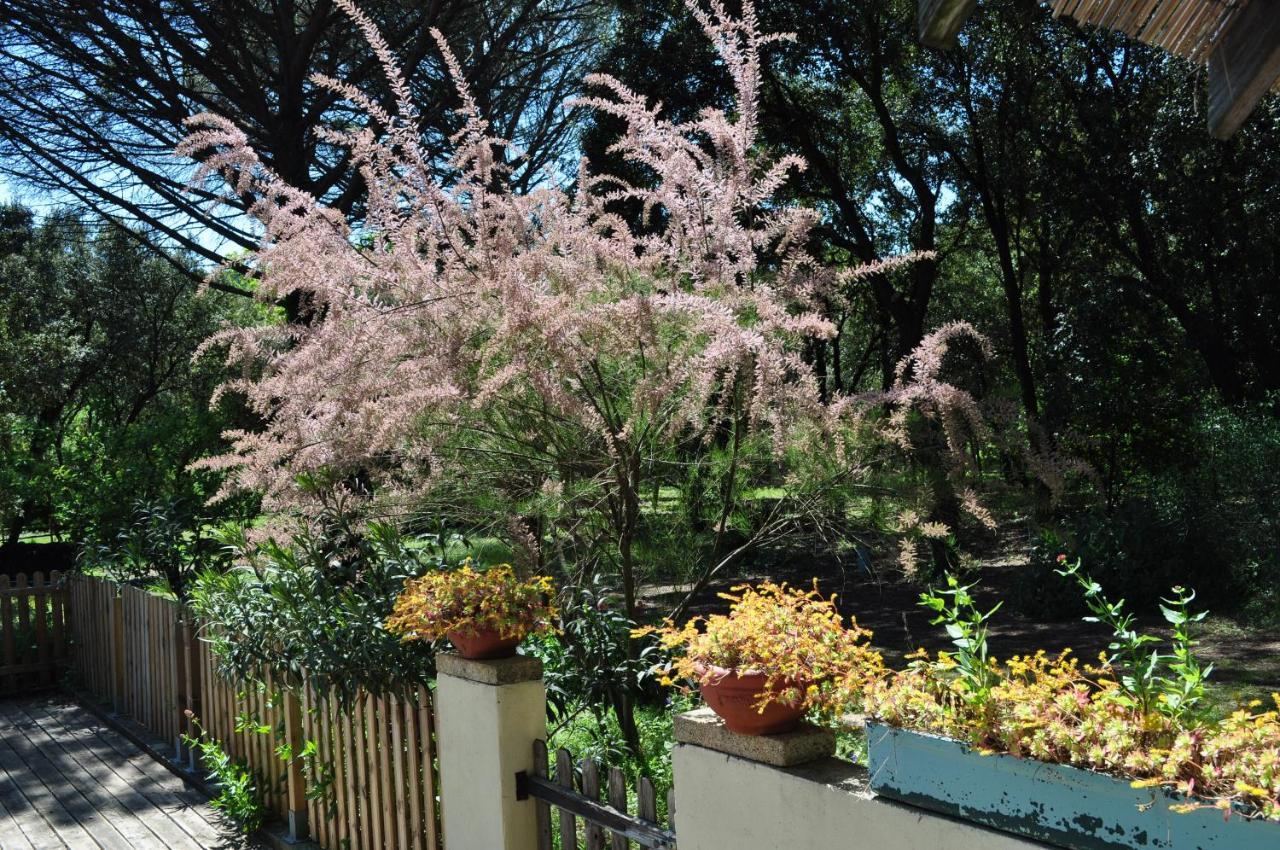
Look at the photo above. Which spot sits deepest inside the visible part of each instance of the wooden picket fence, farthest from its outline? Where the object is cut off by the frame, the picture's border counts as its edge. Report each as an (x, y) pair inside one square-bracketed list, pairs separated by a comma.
[(371, 783), (95, 615), (153, 648), (378, 760), (33, 622), (572, 815)]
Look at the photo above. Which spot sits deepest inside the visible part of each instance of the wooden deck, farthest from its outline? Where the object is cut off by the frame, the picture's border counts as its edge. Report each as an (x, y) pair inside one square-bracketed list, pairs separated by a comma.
[(68, 781)]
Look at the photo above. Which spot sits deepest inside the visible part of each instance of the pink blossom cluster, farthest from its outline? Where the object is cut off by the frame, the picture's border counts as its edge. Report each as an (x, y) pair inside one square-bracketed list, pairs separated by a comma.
[(457, 305)]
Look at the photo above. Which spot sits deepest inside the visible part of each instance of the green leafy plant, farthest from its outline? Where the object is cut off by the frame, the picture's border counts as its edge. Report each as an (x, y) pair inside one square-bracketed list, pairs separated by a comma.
[(1183, 693), (590, 664), (315, 606), (165, 540), (238, 794), (1171, 683), (966, 625)]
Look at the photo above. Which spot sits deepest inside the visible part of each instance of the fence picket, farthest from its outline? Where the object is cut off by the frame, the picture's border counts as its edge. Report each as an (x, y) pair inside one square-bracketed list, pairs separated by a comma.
[(354, 835), (564, 778), (591, 788), (398, 778), (426, 735), (618, 799), (541, 808), (413, 776), (41, 623), (24, 618)]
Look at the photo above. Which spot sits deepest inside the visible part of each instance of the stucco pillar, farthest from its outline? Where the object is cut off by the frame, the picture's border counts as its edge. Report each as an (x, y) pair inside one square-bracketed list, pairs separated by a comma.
[(787, 792), (488, 714)]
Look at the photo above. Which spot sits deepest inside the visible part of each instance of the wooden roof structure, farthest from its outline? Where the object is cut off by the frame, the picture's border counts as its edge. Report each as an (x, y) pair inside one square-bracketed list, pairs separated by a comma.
[(1238, 41)]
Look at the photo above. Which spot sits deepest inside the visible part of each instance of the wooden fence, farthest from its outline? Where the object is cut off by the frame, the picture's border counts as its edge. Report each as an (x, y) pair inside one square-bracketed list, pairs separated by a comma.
[(33, 622), (377, 758), (152, 649), (371, 783), (94, 614), (573, 794)]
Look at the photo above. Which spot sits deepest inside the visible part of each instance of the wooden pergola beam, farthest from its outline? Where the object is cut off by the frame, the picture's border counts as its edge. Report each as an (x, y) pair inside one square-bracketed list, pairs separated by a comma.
[(940, 20), (1243, 66)]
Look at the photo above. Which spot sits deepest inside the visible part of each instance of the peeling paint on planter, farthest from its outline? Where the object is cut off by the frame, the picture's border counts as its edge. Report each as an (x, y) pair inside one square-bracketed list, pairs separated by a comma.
[(1054, 803)]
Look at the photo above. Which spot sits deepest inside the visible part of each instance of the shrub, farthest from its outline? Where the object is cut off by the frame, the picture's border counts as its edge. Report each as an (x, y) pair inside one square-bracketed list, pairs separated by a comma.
[(238, 795), (317, 604), (165, 539)]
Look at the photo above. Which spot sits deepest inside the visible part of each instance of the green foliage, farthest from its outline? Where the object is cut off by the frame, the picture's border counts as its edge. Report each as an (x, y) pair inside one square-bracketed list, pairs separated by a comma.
[(165, 538), (1171, 683), (238, 795), (317, 602), (101, 402), (591, 664), (966, 625)]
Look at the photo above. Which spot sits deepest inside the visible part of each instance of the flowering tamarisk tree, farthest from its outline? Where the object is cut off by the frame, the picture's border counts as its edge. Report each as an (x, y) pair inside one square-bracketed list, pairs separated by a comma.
[(466, 338)]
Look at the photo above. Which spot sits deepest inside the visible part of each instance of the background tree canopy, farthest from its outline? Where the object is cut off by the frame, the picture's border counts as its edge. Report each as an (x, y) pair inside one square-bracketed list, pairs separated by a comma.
[(102, 404), (1059, 180), (1124, 262)]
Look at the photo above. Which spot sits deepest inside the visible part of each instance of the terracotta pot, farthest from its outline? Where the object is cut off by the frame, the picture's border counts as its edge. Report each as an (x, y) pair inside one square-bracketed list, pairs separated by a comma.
[(483, 643), (734, 696)]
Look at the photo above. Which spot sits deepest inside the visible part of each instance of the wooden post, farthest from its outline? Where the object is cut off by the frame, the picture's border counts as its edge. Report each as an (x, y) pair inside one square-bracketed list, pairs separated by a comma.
[(191, 645), (6, 626), (180, 678), (1244, 65), (940, 21), (117, 652), (296, 781)]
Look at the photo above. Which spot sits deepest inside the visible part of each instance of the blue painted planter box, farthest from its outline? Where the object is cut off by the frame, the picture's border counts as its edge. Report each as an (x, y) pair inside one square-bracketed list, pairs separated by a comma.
[(1057, 804)]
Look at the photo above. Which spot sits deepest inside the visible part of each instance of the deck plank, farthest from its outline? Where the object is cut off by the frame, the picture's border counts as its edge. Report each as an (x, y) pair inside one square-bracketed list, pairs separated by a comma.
[(20, 821), (165, 793), (46, 769), (40, 802), (70, 782), (138, 821)]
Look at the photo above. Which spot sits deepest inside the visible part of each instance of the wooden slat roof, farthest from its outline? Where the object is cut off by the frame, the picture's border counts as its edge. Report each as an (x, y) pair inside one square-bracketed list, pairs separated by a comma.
[(1238, 41), (1187, 28)]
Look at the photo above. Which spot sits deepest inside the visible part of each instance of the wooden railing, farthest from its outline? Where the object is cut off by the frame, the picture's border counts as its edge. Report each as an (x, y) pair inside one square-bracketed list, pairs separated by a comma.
[(33, 642), (371, 782), (573, 793)]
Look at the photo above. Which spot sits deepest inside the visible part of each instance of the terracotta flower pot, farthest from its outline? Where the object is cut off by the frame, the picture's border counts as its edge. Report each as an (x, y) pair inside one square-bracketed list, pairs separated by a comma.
[(483, 643), (734, 697)]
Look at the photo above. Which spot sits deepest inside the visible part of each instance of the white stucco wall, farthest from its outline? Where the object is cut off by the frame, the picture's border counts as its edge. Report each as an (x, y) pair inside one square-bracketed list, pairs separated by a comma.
[(728, 803), (486, 734)]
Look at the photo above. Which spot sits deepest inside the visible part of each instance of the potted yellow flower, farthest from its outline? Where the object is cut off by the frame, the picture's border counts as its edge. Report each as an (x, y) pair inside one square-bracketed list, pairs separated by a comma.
[(483, 613), (776, 655)]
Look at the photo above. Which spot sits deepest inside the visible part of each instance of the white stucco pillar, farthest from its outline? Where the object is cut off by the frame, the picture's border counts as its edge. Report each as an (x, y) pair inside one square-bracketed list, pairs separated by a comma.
[(786, 792), (488, 714)]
